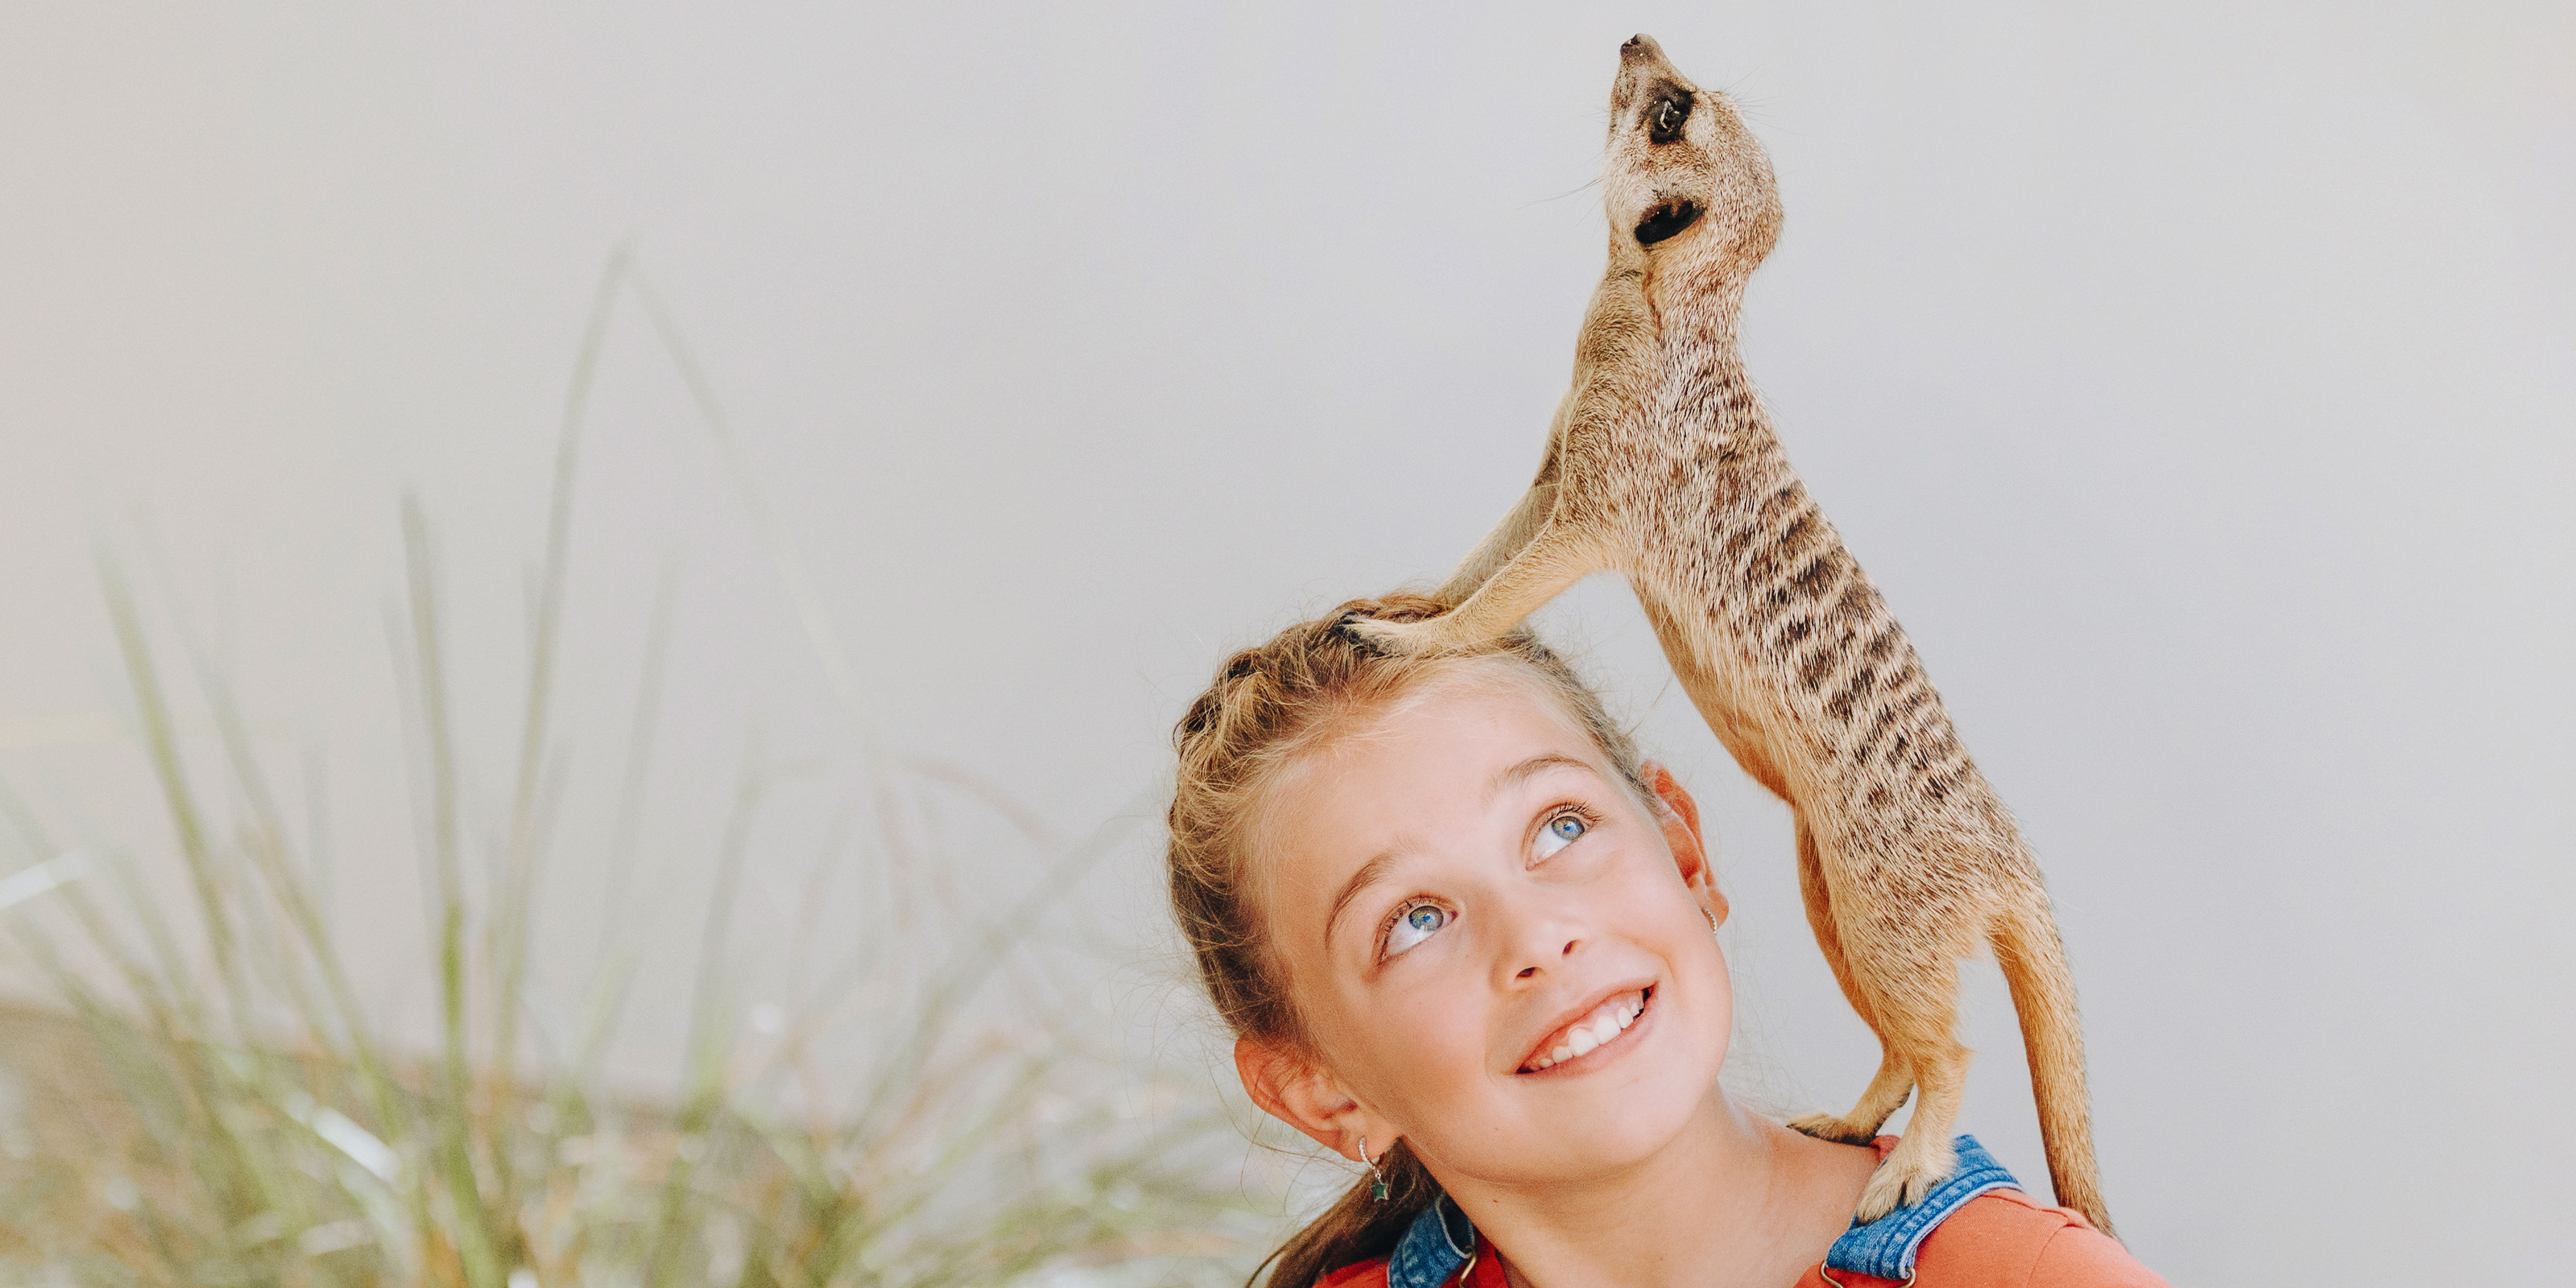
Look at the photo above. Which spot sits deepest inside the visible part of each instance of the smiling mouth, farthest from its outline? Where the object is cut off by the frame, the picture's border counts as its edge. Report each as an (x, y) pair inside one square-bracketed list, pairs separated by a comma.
[(1666, 220), (1598, 1028)]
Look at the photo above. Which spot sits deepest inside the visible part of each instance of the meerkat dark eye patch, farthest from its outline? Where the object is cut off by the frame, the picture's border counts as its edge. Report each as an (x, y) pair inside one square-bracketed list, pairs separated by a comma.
[(1667, 115), (1665, 220)]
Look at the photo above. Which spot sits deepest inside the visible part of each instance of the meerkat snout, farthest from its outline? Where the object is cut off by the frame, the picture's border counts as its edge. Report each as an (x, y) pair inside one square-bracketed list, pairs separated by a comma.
[(1681, 161)]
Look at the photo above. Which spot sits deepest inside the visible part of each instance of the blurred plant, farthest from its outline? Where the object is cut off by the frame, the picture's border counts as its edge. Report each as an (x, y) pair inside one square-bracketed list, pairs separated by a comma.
[(220, 1108)]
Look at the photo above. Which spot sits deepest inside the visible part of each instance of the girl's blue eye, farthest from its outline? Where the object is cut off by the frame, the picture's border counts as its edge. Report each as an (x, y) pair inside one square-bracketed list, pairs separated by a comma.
[(1415, 924), (1560, 832)]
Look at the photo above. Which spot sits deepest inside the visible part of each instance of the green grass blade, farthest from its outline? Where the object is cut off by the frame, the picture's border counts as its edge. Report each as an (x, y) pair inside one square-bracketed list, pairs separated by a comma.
[(455, 1107)]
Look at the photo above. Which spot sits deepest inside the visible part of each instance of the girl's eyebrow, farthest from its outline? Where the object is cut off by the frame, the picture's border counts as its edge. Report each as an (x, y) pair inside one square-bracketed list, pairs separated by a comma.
[(1531, 768), (1370, 874)]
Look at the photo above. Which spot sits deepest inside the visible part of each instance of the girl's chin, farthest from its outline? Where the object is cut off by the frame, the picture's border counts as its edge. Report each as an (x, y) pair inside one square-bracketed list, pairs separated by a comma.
[(1609, 1122), (1593, 1149)]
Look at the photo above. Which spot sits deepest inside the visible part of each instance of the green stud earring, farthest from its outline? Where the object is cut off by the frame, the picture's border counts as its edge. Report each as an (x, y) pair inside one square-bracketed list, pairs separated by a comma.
[(1377, 1191)]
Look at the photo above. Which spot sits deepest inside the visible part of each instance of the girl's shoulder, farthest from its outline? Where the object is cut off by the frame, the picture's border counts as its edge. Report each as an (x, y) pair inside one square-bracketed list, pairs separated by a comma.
[(2003, 1238), (1978, 1229)]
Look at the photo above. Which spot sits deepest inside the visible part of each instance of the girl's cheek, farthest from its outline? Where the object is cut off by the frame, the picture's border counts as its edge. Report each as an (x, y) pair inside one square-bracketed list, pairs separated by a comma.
[(1438, 1007)]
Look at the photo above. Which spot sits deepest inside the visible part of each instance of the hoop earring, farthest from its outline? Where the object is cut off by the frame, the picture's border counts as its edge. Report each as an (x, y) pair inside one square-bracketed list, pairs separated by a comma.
[(1377, 1191)]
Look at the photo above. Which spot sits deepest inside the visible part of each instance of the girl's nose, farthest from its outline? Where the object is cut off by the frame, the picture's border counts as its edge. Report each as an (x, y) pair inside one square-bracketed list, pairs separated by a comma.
[(1535, 931), (1536, 962), (1528, 972)]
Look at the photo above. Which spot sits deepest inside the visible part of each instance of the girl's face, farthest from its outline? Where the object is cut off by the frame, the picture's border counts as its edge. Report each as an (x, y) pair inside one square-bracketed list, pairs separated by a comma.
[(1501, 955)]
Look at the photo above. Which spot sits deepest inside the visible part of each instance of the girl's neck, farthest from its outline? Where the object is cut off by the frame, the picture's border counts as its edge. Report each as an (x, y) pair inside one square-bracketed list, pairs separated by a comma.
[(1736, 1199)]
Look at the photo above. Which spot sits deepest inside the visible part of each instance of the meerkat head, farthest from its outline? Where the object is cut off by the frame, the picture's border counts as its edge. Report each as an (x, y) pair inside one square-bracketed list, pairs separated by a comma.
[(1685, 181)]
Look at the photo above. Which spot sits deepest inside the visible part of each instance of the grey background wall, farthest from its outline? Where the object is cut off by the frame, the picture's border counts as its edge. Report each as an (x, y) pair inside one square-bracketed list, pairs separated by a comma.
[(2195, 380)]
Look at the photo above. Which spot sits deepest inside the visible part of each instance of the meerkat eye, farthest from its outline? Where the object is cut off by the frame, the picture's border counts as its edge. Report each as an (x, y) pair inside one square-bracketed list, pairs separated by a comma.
[(1672, 112)]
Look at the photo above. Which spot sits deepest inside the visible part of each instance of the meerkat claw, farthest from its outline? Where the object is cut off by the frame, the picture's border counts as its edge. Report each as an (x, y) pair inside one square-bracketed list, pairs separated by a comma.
[(1831, 1127), (1909, 1174), (1894, 1187)]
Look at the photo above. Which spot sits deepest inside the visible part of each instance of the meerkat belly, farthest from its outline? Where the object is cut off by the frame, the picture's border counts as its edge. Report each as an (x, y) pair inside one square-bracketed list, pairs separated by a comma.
[(1792, 656), (1713, 658)]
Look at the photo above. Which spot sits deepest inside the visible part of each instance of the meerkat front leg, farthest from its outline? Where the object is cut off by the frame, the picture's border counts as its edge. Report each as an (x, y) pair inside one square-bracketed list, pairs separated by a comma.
[(1507, 539), (1556, 557)]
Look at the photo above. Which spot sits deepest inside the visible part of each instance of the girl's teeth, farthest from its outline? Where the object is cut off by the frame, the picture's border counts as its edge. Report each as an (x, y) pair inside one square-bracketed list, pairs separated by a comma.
[(1582, 1040)]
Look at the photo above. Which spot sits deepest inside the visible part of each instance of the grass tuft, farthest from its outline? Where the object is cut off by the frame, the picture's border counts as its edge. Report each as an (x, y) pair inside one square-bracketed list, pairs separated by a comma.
[(206, 1099)]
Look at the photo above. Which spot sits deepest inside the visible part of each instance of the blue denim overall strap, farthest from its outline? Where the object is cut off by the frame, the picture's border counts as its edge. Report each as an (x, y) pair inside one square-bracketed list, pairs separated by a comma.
[(1885, 1247), (1433, 1247)]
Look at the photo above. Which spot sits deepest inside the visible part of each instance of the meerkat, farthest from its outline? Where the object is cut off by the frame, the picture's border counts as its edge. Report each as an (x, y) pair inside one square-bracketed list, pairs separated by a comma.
[(1662, 466)]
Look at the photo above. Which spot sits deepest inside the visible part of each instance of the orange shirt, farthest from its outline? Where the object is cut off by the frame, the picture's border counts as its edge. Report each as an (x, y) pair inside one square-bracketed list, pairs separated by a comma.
[(2001, 1238)]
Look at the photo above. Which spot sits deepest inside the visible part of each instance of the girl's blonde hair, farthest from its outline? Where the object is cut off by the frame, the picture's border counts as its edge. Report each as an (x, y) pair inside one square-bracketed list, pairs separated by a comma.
[(1270, 704)]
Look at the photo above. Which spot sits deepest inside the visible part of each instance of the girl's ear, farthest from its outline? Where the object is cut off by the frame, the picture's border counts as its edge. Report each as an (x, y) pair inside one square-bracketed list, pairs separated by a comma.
[(1679, 815), (1291, 1089)]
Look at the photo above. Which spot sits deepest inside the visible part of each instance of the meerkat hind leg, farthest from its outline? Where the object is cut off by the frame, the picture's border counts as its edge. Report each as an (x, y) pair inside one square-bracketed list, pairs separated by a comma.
[(1886, 1094), (1894, 1080), (1924, 1158), (1916, 997)]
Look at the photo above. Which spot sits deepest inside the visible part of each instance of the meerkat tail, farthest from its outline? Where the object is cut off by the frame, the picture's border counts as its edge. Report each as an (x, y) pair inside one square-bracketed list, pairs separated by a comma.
[(2043, 992)]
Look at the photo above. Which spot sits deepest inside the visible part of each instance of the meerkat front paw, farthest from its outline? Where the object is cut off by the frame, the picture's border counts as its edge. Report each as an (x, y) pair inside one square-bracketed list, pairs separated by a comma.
[(1397, 639)]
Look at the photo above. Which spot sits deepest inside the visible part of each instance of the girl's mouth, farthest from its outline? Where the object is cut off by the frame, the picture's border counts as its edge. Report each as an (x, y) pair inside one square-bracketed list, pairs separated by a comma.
[(1594, 1029)]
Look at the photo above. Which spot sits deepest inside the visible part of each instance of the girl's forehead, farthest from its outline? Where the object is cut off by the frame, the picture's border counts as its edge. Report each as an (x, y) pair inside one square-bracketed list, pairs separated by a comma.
[(1440, 730)]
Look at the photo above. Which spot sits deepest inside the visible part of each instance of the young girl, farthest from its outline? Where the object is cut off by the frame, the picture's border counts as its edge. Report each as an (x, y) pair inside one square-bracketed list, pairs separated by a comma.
[(1465, 936)]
